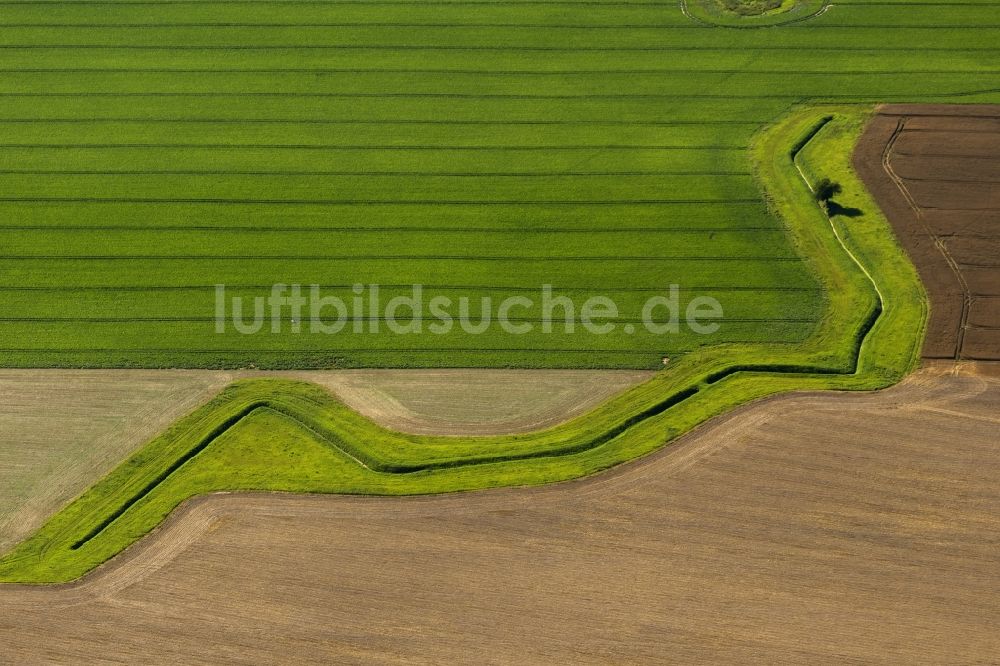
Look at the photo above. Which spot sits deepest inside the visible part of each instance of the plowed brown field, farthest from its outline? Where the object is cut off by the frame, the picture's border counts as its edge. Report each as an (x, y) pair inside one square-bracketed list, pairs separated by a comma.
[(810, 528), (935, 171)]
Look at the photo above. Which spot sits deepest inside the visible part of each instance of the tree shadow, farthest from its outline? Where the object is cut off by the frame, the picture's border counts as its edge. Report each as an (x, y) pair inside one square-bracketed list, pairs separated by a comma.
[(834, 209)]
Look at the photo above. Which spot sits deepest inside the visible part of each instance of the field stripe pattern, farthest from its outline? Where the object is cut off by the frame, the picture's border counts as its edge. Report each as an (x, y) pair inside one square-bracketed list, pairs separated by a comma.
[(484, 148)]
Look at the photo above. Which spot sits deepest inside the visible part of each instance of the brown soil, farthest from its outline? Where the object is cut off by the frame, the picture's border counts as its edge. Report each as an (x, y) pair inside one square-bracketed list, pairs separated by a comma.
[(811, 528), (935, 171)]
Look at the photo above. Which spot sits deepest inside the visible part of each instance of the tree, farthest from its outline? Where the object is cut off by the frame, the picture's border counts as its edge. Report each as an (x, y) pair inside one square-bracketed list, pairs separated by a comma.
[(826, 190)]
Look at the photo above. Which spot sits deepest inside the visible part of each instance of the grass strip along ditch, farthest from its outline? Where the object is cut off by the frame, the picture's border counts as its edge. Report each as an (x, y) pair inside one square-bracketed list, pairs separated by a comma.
[(278, 435)]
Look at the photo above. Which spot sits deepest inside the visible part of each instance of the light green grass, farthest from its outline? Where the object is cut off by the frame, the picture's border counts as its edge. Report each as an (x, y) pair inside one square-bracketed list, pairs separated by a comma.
[(149, 152), (289, 436)]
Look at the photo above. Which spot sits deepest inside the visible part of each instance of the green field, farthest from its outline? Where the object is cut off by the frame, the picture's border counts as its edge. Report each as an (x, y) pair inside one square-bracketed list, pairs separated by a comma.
[(149, 151), (291, 436)]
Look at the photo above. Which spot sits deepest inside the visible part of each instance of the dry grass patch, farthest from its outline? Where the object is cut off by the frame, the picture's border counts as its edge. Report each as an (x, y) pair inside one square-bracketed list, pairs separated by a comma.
[(473, 402), (61, 430)]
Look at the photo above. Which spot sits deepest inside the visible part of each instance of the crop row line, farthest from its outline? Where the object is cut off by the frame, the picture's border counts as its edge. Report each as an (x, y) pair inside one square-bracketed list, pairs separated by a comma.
[(396, 229), (980, 209), (386, 257), (480, 72), (453, 95), (960, 156), (917, 3), (334, 146), (410, 95), (370, 174), (957, 130), (537, 26), (603, 289), (447, 47), (937, 113), (359, 121), (533, 320), (370, 202), (355, 24), (353, 350), (469, 3), (952, 235), (938, 179), (361, 3)]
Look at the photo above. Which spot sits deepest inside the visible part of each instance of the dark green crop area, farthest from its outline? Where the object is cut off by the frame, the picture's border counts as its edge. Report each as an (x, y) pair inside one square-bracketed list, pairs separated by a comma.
[(152, 150)]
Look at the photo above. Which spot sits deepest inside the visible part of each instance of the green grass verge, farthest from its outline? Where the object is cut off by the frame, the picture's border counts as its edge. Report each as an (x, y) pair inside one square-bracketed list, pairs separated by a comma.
[(275, 435)]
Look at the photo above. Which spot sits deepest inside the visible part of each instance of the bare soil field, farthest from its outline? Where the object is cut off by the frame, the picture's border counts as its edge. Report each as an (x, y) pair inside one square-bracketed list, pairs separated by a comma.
[(62, 430), (819, 528), (935, 171)]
